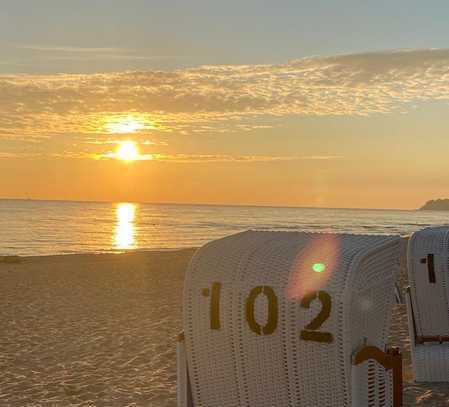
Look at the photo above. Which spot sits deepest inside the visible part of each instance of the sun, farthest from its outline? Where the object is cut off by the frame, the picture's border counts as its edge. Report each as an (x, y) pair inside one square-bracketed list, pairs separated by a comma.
[(127, 151)]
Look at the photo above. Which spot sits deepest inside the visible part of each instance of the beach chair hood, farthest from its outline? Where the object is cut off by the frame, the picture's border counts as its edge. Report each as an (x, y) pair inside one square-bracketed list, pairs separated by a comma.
[(427, 303), (428, 258), (275, 318)]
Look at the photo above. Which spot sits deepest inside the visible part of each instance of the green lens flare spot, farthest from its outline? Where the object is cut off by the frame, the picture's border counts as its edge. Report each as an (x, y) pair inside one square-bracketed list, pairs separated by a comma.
[(319, 267)]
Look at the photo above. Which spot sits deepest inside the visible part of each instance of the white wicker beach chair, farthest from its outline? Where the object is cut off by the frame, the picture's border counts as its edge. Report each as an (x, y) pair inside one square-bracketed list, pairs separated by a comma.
[(288, 318), (427, 303)]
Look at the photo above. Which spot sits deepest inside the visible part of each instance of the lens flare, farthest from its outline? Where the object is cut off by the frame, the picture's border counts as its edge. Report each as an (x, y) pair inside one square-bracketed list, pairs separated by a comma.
[(314, 266), (319, 267)]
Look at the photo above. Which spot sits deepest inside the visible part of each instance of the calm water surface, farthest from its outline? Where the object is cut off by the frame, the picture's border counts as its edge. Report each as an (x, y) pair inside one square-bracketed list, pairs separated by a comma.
[(56, 227)]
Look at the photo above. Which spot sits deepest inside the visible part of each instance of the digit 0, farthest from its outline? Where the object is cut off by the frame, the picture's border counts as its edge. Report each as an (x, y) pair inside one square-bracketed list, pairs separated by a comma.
[(272, 320)]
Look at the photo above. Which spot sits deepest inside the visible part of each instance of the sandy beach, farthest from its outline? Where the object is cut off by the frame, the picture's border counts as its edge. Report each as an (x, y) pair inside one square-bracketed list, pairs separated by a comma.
[(99, 330)]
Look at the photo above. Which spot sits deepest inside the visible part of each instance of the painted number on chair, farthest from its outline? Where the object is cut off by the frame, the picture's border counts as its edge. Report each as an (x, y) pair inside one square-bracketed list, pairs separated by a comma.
[(311, 331), (272, 320), (214, 304)]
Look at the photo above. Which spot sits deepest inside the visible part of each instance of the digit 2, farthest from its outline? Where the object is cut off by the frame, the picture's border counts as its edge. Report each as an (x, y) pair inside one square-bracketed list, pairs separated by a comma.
[(311, 333)]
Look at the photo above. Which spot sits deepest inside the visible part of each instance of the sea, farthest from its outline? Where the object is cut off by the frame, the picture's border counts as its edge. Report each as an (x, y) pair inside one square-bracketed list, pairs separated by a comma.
[(36, 228)]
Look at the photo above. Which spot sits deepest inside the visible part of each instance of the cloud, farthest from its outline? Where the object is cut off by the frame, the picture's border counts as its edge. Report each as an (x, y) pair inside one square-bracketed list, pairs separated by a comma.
[(221, 98), (201, 158), (53, 48), (7, 155), (195, 158), (112, 57), (71, 53), (20, 155)]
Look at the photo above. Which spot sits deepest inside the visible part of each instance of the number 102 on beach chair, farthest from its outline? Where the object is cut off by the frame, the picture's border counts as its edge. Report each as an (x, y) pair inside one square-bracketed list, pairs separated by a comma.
[(290, 318)]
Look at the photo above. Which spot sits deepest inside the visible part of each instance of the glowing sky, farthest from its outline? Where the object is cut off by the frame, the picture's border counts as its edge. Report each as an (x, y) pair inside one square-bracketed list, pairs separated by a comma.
[(232, 103)]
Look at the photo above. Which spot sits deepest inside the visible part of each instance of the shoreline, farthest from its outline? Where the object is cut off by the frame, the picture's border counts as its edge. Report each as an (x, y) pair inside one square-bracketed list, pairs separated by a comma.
[(93, 253), (154, 250)]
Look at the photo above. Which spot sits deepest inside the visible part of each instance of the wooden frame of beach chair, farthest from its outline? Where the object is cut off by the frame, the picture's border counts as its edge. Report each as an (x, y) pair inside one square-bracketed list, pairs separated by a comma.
[(427, 303), (253, 337), (389, 360)]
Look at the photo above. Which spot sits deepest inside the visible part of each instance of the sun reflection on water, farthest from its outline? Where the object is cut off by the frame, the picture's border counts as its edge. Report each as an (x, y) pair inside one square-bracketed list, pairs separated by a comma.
[(124, 237)]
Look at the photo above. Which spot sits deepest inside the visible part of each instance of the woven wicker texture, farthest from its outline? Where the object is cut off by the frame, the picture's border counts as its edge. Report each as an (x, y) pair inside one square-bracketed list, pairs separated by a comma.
[(427, 302), (430, 360), (273, 318), (429, 299)]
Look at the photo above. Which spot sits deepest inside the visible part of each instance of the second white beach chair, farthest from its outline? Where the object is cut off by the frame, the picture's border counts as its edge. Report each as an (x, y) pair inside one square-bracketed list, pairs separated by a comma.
[(287, 318), (428, 303)]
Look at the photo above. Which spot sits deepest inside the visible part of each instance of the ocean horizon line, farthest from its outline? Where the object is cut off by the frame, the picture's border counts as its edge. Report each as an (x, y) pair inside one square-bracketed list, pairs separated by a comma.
[(226, 205)]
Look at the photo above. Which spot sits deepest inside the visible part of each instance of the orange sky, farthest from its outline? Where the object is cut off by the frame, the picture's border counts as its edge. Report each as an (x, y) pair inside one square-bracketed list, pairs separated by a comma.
[(365, 130)]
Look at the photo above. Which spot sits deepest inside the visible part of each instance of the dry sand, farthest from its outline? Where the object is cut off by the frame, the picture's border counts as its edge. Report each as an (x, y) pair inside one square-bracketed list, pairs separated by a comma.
[(99, 330)]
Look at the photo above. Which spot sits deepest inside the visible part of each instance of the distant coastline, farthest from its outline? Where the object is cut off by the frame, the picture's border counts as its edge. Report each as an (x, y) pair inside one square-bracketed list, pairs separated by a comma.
[(436, 205)]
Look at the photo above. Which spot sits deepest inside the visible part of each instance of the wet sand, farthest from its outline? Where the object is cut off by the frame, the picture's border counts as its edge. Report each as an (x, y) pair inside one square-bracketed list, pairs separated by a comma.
[(99, 330)]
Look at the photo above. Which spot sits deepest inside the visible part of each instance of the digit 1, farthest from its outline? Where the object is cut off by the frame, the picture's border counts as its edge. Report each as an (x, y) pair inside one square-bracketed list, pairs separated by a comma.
[(214, 305)]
